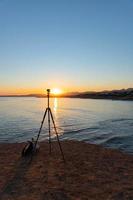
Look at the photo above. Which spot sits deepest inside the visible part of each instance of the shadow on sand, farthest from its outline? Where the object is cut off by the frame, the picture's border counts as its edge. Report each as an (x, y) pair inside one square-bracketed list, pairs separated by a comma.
[(14, 186)]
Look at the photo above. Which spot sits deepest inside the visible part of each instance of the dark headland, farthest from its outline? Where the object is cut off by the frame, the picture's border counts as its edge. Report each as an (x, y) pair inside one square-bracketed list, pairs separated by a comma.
[(91, 172), (124, 94)]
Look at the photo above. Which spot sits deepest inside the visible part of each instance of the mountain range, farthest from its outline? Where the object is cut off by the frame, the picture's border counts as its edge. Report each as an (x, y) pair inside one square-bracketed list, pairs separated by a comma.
[(123, 94)]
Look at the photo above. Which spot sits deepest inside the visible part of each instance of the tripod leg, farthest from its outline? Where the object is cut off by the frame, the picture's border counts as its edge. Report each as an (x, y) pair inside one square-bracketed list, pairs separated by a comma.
[(57, 134), (41, 127), (49, 131)]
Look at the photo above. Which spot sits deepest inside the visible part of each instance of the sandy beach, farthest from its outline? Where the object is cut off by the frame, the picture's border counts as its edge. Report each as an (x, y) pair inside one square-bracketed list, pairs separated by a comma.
[(90, 172)]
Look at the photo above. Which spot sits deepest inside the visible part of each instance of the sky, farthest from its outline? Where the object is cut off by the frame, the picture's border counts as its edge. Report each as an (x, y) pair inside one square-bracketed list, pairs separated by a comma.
[(74, 45)]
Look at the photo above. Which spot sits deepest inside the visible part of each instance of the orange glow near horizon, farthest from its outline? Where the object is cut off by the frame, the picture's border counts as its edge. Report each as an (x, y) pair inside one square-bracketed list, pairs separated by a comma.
[(19, 91), (55, 91)]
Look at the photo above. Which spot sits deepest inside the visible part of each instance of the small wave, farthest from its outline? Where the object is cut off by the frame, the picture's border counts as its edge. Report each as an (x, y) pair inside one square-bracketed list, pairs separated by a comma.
[(70, 125), (124, 143), (113, 121), (115, 140), (76, 109), (80, 130), (121, 119)]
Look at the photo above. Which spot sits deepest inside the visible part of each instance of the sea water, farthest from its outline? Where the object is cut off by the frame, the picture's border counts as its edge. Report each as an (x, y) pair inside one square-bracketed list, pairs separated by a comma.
[(105, 122)]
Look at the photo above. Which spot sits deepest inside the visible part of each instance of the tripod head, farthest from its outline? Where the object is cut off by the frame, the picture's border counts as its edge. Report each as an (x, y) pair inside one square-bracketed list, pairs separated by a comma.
[(48, 94), (48, 91)]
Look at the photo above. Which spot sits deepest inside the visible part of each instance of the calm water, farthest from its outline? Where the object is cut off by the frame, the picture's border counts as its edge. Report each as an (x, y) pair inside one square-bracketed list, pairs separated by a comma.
[(105, 122)]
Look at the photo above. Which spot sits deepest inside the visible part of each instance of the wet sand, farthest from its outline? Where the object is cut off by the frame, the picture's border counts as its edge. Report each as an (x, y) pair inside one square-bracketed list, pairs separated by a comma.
[(90, 172)]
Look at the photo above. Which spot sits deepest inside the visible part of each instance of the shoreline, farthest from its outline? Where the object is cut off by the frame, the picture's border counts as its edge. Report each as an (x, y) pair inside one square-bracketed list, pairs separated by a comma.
[(69, 97), (90, 172)]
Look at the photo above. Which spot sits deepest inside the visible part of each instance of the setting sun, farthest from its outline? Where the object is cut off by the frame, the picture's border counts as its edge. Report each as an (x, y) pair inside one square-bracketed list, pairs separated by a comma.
[(56, 91)]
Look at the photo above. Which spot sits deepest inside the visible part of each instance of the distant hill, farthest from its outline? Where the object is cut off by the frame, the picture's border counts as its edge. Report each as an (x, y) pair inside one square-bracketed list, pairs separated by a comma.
[(25, 95), (123, 94)]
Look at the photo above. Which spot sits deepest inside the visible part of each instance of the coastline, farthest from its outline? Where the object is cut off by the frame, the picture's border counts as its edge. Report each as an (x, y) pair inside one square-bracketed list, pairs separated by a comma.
[(71, 97), (123, 94), (90, 172)]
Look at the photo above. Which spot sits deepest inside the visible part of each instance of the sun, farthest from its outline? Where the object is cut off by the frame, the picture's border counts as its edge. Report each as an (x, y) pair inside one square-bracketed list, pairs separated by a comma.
[(56, 91)]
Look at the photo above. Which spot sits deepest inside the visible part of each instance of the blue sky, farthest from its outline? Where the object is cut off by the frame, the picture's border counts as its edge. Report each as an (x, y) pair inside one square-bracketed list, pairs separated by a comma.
[(76, 45)]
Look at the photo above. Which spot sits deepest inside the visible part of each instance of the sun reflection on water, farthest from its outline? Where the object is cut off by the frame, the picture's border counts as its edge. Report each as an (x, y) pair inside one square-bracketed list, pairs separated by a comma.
[(55, 104)]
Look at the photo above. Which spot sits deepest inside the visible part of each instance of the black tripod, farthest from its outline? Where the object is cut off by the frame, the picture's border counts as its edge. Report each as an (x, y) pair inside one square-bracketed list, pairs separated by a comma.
[(50, 116)]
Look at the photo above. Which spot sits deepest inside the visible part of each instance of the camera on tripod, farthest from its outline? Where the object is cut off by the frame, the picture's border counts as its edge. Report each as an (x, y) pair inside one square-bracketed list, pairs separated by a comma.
[(50, 118), (48, 90)]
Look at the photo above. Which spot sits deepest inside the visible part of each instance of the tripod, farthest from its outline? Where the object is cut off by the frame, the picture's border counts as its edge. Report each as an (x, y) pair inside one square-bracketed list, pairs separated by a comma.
[(50, 117)]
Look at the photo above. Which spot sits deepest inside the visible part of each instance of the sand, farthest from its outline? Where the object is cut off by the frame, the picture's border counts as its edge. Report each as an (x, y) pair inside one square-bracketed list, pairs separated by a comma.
[(90, 172)]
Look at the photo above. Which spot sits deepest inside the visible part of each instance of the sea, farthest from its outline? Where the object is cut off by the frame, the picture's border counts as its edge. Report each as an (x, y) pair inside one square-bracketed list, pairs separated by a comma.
[(104, 122)]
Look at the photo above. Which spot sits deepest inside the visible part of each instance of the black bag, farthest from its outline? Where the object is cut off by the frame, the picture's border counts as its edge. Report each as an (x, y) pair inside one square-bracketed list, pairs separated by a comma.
[(28, 149)]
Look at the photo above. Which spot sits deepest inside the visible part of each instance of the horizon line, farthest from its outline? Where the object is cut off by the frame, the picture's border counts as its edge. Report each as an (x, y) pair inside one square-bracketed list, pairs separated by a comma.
[(63, 93)]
